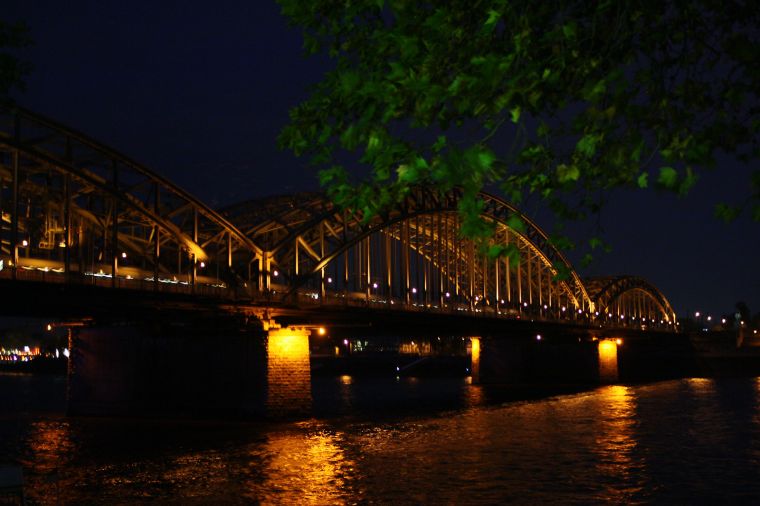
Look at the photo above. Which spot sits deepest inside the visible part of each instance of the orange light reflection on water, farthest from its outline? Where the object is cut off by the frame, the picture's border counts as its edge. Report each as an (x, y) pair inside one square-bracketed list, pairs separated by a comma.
[(616, 441), (300, 468)]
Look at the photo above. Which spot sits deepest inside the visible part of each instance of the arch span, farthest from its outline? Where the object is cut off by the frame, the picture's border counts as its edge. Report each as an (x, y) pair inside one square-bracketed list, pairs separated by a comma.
[(413, 254), (630, 299), (74, 205)]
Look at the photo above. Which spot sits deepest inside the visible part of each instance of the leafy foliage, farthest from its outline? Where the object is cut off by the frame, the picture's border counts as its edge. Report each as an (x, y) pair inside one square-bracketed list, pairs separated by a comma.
[(564, 100), (12, 70)]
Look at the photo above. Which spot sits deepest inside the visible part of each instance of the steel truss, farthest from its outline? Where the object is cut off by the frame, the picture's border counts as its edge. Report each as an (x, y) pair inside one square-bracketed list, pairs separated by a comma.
[(76, 210), (414, 255)]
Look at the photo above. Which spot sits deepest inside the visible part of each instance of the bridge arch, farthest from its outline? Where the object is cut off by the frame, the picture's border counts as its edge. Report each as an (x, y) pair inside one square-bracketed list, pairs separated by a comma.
[(74, 206), (413, 255), (630, 300)]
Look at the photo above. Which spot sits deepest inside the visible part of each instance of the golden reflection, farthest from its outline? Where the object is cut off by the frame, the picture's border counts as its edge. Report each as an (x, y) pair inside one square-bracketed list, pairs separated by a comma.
[(474, 396), (304, 468), (616, 441), (50, 448)]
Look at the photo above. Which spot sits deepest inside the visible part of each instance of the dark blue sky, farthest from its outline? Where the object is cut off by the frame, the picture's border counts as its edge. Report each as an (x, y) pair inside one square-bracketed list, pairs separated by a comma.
[(199, 90)]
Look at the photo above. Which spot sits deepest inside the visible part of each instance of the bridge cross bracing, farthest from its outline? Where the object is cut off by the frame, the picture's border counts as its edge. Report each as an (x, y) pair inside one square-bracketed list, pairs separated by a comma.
[(76, 211)]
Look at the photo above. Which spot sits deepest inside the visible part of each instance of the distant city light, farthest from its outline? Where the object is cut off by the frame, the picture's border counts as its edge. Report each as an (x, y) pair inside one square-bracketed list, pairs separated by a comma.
[(696, 314), (414, 290), (374, 285), (321, 331), (276, 273), (25, 243), (203, 264), (329, 280), (538, 337), (123, 254)]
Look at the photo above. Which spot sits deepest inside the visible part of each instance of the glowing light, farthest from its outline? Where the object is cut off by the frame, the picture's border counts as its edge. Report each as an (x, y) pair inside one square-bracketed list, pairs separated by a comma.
[(62, 244), (722, 320), (203, 264), (414, 290), (696, 314), (608, 361), (448, 295), (475, 358), (580, 311), (321, 331), (564, 309), (345, 342), (276, 273), (123, 254), (622, 316), (618, 341), (374, 285), (525, 304), (709, 318), (329, 280), (538, 337), (49, 327), (25, 243), (66, 352)]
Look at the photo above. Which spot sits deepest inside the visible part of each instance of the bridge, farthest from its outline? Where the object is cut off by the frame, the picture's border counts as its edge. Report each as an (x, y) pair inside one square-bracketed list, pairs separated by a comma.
[(77, 213)]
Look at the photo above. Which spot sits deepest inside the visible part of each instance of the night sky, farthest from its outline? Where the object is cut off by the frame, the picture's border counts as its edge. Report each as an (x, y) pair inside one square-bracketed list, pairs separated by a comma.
[(198, 92)]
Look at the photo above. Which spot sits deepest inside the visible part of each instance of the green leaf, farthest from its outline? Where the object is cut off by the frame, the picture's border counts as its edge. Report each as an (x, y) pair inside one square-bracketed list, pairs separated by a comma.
[(516, 223), (595, 242), (587, 144), (440, 143), (569, 30), (668, 177), (726, 213), (643, 180), (567, 173), (514, 114), (493, 18)]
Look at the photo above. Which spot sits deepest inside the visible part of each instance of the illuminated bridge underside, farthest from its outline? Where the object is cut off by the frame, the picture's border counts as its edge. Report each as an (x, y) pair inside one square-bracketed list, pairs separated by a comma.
[(76, 211)]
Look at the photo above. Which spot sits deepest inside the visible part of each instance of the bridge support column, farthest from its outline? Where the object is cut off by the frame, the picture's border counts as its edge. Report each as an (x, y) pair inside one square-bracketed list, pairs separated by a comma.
[(288, 372), (204, 368), (608, 361), (475, 359)]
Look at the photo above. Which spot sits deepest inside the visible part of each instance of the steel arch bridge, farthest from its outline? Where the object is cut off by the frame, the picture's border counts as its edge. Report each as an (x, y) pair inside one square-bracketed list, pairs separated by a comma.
[(76, 211)]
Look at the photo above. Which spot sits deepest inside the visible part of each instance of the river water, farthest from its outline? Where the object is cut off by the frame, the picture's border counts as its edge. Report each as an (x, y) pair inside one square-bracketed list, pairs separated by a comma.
[(405, 441)]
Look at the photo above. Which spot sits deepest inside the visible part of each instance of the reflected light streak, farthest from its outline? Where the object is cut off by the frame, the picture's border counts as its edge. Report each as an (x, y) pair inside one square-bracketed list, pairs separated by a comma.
[(616, 443), (305, 469)]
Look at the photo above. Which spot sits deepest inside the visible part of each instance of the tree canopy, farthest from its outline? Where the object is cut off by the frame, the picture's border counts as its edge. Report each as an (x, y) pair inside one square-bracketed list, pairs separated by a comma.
[(565, 100)]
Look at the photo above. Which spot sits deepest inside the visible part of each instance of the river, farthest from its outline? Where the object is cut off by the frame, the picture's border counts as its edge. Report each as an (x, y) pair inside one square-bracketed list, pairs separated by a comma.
[(405, 441)]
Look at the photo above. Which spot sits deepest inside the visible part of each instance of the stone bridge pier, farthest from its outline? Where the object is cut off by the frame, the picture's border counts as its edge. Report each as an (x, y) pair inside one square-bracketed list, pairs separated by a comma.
[(163, 370)]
